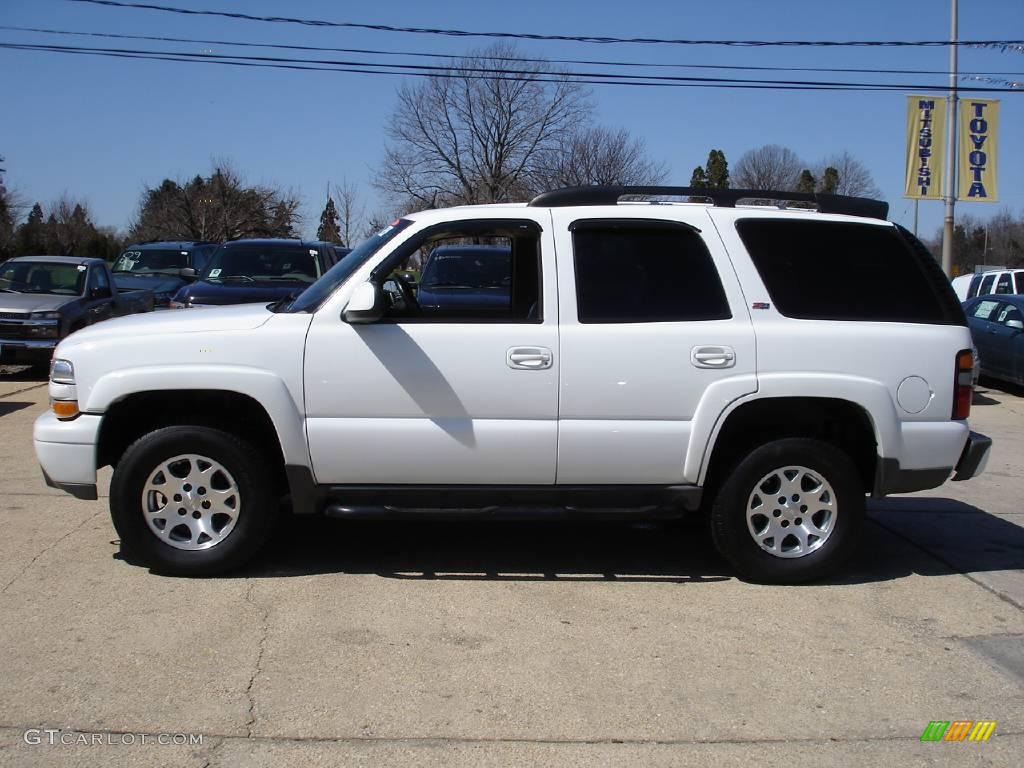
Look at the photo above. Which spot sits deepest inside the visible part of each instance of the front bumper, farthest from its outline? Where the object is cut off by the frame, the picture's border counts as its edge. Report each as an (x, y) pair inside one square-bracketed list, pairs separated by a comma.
[(66, 451), (34, 348), (974, 459)]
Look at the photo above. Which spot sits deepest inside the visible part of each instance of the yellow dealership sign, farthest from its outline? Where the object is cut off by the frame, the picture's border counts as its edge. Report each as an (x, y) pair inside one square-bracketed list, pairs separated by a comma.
[(979, 132), (926, 133)]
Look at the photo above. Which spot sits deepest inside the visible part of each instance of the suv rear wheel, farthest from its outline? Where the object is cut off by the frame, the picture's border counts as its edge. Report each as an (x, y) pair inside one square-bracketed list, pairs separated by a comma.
[(192, 501), (789, 512)]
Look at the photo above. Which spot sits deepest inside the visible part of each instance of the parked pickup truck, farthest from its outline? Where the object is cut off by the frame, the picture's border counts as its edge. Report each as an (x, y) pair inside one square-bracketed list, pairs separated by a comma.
[(652, 359), (45, 298)]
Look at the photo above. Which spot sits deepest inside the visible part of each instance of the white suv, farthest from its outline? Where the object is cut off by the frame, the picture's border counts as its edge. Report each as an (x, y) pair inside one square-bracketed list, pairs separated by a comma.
[(628, 358)]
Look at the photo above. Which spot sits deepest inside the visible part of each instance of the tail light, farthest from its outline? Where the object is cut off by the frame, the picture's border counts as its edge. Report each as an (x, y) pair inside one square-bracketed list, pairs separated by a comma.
[(962, 389)]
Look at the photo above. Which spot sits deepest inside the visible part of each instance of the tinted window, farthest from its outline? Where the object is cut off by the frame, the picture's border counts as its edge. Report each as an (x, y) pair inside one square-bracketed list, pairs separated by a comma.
[(1007, 314), (99, 280), (271, 262), (983, 309), (838, 271), (986, 285), (1003, 283), (975, 284), (201, 256), (640, 272), (1019, 279)]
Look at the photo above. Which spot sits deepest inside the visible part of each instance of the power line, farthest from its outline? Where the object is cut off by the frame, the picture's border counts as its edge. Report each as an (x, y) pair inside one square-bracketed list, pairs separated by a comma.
[(525, 59), (538, 36), (481, 73)]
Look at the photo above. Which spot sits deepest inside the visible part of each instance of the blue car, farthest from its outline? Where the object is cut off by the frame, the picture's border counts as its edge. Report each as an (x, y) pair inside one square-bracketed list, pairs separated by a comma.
[(471, 276), (997, 327), (163, 267), (259, 270)]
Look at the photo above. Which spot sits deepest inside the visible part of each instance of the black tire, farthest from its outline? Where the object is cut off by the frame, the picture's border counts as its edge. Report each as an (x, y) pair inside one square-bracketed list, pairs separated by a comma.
[(251, 472), (729, 525)]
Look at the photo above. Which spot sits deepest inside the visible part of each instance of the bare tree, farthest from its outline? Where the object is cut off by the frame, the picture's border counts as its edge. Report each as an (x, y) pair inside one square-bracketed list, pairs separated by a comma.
[(476, 133), (596, 155), (854, 177), (351, 212), (768, 167), (218, 207), (69, 226)]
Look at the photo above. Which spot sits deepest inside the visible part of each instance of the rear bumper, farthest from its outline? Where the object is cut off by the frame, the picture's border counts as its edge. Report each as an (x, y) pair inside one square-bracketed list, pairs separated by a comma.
[(974, 459)]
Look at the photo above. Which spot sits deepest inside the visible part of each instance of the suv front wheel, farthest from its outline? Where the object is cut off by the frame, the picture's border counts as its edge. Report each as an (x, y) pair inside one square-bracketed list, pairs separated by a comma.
[(192, 501), (789, 512)]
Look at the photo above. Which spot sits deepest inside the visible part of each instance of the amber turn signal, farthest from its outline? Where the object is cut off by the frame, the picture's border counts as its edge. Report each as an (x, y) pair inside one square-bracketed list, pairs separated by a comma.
[(65, 409)]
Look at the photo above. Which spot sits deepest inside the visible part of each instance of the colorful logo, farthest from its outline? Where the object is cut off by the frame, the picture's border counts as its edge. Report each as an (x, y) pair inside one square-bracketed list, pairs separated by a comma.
[(958, 730)]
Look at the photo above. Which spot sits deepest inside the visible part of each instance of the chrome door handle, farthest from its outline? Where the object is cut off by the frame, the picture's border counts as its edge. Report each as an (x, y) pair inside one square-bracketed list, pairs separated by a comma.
[(713, 357), (529, 358)]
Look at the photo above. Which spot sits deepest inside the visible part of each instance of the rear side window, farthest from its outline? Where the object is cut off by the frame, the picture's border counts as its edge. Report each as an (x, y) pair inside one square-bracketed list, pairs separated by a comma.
[(983, 309), (644, 272), (986, 285), (826, 270), (1019, 279), (1003, 283)]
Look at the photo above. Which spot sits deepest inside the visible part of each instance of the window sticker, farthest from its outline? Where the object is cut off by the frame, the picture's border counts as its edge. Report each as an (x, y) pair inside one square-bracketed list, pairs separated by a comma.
[(82, 267), (312, 251), (215, 272)]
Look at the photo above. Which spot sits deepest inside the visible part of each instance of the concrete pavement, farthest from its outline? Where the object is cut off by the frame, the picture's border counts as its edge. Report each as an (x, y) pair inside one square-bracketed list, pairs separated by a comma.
[(513, 644)]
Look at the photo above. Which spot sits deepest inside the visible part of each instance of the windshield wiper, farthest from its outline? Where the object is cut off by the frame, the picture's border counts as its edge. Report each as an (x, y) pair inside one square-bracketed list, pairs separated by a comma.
[(228, 278)]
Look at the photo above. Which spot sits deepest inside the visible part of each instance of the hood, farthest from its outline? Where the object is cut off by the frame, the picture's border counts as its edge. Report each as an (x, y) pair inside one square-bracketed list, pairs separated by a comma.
[(126, 281), (33, 302), (202, 292), (445, 297), (175, 321)]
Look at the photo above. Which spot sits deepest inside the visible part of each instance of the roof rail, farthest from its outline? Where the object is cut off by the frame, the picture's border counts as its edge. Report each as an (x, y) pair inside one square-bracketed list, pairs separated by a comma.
[(726, 198)]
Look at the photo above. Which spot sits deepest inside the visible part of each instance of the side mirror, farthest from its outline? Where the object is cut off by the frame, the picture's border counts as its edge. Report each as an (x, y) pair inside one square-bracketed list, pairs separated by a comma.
[(366, 305), (99, 293), (187, 272)]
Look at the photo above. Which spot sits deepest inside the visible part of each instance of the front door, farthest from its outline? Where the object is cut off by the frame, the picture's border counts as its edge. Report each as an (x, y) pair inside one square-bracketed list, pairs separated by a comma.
[(461, 391)]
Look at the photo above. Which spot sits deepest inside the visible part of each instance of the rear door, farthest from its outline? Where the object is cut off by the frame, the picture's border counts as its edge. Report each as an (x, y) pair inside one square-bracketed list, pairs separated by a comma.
[(652, 318)]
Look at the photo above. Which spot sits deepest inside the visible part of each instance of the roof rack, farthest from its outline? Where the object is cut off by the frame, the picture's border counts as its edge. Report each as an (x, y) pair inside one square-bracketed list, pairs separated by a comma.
[(725, 198)]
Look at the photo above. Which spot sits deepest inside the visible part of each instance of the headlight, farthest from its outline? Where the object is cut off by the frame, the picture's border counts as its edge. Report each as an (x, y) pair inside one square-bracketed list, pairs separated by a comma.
[(62, 372), (45, 316), (47, 329)]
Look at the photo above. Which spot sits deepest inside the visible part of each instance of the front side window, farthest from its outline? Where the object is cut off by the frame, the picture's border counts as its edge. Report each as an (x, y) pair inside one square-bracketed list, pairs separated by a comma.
[(975, 284), (1019, 279), (467, 272), (827, 270), (636, 271), (986, 285), (1010, 316), (1003, 283)]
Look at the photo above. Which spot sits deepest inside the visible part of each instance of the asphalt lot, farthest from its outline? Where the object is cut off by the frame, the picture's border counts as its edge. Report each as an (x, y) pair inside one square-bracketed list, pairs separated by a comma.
[(512, 644)]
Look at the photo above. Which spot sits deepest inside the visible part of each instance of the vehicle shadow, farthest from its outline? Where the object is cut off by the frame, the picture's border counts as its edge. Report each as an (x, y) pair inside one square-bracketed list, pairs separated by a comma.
[(904, 537), (659, 551), (10, 407), (983, 398), (20, 372)]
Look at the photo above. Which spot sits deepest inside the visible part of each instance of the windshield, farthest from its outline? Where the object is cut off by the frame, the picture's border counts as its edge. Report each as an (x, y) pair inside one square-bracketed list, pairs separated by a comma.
[(316, 294), (43, 277), (272, 262), (459, 267), (151, 261)]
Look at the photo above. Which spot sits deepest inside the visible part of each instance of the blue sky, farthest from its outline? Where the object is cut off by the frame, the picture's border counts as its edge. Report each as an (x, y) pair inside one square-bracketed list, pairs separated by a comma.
[(102, 129)]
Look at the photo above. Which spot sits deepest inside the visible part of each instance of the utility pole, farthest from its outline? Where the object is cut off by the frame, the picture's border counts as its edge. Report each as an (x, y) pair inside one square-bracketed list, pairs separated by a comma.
[(951, 125)]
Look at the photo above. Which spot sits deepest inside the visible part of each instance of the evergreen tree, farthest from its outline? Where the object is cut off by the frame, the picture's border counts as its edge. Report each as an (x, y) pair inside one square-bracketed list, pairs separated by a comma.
[(31, 237), (717, 170), (806, 182), (829, 181), (328, 230), (699, 179)]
